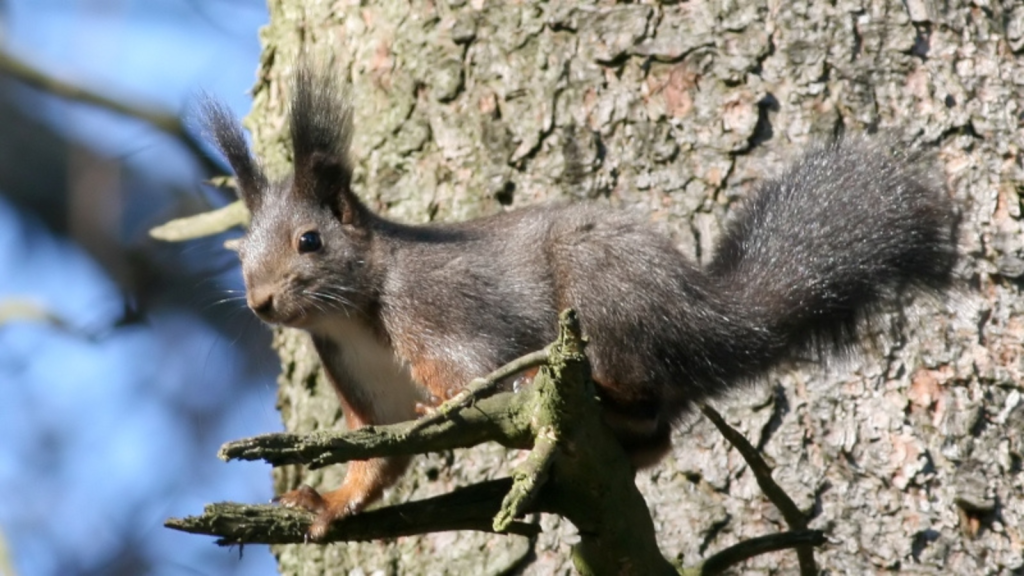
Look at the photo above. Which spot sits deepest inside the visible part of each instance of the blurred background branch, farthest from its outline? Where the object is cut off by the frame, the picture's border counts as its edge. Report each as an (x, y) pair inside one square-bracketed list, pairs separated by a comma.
[(6, 566), (166, 122), (109, 339)]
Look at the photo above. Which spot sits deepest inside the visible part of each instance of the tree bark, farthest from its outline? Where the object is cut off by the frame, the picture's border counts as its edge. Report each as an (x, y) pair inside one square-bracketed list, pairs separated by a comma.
[(908, 453)]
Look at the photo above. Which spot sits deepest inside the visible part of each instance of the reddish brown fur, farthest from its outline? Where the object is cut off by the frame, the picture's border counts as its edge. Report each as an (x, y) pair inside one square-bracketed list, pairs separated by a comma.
[(365, 481), (441, 378)]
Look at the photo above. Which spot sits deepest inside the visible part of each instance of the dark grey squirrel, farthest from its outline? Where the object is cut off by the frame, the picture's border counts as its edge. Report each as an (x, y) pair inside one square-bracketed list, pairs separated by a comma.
[(406, 315)]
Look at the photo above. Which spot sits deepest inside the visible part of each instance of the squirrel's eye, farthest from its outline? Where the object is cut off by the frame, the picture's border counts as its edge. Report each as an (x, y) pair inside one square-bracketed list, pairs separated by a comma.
[(310, 242)]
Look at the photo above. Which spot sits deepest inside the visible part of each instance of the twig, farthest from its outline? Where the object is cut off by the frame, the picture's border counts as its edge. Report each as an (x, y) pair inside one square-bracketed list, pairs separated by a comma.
[(491, 419), (202, 224), (480, 386), (470, 508), (529, 478), (747, 549), (795, 519)]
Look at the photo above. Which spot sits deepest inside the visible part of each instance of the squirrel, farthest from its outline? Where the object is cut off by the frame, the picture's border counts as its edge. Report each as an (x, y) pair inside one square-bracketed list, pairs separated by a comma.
[(403, 316)]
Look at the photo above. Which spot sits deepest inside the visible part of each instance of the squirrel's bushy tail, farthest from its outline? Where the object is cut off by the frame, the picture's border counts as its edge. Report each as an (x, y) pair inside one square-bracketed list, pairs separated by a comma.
[(848, 227)]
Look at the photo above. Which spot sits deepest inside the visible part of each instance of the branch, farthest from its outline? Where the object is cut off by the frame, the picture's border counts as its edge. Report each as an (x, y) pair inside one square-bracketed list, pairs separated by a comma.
[(795, 519), (491, 419), (747, 549), (203, 224), (589, 480), (557, 413), (478, 387), (465, 420), (25, 310), (574, 465), (168, 123), (469, 508), (528, 479)]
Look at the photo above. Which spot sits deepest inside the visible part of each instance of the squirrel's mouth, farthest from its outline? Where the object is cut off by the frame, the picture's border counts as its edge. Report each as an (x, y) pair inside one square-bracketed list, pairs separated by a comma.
[(296, 315), (279, 309), (276, 317), (294, 320)]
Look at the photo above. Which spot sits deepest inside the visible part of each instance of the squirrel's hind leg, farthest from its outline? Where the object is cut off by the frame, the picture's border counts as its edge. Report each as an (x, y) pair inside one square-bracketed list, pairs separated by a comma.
[(636, 422)]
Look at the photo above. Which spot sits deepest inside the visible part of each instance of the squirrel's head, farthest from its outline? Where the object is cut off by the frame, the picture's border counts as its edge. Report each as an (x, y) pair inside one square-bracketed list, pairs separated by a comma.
[(305, 256)]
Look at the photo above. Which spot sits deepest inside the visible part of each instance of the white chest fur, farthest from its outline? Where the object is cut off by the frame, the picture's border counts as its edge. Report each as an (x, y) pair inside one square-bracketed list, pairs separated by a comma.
[(373, 371)]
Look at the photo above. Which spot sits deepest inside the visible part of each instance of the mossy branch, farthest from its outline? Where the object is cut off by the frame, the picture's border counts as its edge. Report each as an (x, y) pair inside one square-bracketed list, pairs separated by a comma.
[(470, 508), (493, 419), (574, 466), (528, 480)]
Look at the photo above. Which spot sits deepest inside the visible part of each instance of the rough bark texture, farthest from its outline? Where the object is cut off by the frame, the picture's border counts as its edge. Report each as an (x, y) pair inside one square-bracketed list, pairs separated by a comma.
[(910, 454)]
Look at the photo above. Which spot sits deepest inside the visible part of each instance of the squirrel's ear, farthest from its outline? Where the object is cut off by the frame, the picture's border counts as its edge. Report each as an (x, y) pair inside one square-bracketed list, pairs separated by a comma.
[(321, 130), (229, 139)]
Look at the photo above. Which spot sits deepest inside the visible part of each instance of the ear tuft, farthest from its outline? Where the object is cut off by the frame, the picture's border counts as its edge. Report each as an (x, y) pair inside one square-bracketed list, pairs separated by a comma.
[(321, 130), (228, 137)]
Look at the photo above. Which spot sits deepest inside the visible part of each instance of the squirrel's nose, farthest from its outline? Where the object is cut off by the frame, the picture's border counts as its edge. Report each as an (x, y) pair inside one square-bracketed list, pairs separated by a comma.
[(261, 302)]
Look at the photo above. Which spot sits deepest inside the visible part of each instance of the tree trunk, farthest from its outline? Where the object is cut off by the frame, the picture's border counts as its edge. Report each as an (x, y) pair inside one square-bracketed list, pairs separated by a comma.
[(909, 453)]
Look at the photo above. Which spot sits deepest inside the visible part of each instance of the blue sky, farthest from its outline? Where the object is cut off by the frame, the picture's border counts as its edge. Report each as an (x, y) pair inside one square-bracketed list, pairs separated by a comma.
[(97, 451)]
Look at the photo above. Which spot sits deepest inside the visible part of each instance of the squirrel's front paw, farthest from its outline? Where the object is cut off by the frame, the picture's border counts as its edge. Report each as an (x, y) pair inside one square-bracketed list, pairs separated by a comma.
[(428, 408)]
